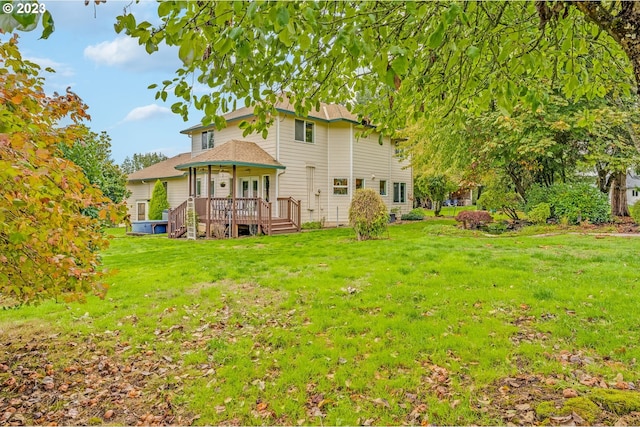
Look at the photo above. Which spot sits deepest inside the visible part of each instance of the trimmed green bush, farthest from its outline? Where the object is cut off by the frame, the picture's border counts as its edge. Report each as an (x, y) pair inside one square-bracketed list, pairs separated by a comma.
[(635, 212), (368, 214), (416, 214), (579, 202), (158, 201), (540, 213)]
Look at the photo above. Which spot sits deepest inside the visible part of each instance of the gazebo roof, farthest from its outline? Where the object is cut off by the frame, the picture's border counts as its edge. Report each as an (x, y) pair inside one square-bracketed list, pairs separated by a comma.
[(161, 170), (234, 152)]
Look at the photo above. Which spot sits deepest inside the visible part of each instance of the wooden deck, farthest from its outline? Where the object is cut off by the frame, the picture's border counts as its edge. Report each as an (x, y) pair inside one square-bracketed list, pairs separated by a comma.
[(224, 217)]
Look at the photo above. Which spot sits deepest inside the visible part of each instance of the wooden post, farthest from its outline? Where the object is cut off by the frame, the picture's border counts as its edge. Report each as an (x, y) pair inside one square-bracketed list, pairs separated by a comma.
[(208, 230), (234, 223), (190, 187)]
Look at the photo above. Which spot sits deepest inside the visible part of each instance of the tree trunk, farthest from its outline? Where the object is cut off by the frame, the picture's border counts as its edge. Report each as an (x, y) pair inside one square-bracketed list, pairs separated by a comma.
[(624, 27), (619, 195), (437, 207)]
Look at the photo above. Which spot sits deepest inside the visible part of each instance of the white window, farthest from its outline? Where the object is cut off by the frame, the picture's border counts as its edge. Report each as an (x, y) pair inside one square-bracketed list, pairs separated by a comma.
[(212, 188), (635, 193), (359, 183), (383, 187), (207, 140), (198, 187), (399, 192), (340, 186), (304, 131)]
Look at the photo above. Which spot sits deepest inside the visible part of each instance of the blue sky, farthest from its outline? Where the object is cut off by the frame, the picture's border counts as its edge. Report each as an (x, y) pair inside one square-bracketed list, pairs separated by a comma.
[(111, 73)]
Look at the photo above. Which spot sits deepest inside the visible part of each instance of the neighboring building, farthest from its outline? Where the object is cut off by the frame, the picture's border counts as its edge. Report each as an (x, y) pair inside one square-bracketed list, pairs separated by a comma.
[(318, 160), (633, 188)]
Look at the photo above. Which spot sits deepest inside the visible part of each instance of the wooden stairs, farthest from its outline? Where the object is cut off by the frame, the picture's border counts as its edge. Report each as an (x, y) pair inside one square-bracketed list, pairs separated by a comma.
[(282, 226)]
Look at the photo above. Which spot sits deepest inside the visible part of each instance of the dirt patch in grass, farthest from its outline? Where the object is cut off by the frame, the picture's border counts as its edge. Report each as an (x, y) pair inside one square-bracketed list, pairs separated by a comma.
[(48, 379)]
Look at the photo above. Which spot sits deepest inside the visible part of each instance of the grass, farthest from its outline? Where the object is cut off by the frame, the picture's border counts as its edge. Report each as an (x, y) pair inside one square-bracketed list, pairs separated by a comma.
[(317, 328)]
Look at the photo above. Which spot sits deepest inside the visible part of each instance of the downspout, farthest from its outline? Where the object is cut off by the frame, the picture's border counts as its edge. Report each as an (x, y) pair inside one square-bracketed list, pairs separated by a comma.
[(351, 183), (276, 170)]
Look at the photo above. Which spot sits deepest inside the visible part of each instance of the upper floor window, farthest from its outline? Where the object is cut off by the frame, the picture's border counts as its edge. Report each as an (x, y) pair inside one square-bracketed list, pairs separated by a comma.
[(304, 131), (635, 193), (207, 140)]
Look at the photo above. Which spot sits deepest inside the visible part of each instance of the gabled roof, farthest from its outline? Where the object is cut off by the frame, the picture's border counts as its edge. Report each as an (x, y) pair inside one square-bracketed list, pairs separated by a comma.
[(160, 170), (233, 152), (327, 113)]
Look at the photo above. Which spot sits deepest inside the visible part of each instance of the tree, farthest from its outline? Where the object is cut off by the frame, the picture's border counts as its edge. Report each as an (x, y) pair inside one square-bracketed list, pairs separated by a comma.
[(48, 249), (436, 188), (158, 201), (93, 154), (141, 161)]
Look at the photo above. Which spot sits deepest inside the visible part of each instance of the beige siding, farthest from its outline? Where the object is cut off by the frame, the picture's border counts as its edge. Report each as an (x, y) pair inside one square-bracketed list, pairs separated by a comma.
[(177, 192), (232, 131), (339, 155), (299, 157)]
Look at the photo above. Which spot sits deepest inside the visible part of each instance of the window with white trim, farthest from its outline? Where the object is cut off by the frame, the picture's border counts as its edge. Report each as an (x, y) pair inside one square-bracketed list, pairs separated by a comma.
[(304, 131), (635, 193), (207, 139), (212, 188), (359, 183), (340, 186), (198, 187), (383, 187), (399, 192)]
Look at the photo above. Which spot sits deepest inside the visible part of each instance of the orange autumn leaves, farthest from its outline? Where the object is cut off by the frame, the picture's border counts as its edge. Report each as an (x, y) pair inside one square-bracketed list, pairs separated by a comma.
[(49, 248)]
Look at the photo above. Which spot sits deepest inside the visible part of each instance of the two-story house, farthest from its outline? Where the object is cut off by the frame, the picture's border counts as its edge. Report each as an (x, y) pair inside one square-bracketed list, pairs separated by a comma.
[(307, 169)]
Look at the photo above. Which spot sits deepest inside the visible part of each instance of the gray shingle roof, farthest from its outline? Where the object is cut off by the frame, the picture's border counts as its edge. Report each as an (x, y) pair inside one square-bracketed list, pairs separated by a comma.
[(327, 112), (242, 153), (164, 169)]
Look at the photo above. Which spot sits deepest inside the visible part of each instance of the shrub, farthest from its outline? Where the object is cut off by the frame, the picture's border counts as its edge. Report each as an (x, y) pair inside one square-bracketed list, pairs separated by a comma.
[(158, 201), (507, 202), (540, 213), (368, 214), (579, 202), (311, 225), (416, 214), (635, 212), (535, 195), (474, 219), (497, 227)]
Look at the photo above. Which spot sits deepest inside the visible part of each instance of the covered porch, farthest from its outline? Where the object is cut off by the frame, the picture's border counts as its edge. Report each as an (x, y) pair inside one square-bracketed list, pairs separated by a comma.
[(245, 207)]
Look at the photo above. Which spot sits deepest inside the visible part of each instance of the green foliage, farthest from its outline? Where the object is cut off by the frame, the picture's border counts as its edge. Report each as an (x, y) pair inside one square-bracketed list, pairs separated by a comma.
[(158, 201), (536, 195), (140, 161), (368, 214), (436, 188), (579, 202), (635, 212), (48, 248), (507, 202), (540, 213), (440, 54), (416, 214), (496, 227), (474, 219), (93, 154), (312, 225)]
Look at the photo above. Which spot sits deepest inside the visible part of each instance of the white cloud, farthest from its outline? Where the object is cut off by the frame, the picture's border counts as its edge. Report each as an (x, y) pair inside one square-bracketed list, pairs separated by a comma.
[(61, 69), (147, 112), (125, 52)]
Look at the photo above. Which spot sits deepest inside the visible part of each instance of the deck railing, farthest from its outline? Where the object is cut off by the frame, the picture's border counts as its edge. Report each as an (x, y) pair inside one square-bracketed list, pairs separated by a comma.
[(177, 221), (222, 213), (289, 208)]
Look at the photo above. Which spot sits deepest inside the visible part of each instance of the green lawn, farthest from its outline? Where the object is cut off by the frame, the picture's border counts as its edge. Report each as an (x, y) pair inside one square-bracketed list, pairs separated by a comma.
[(426, 326)]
